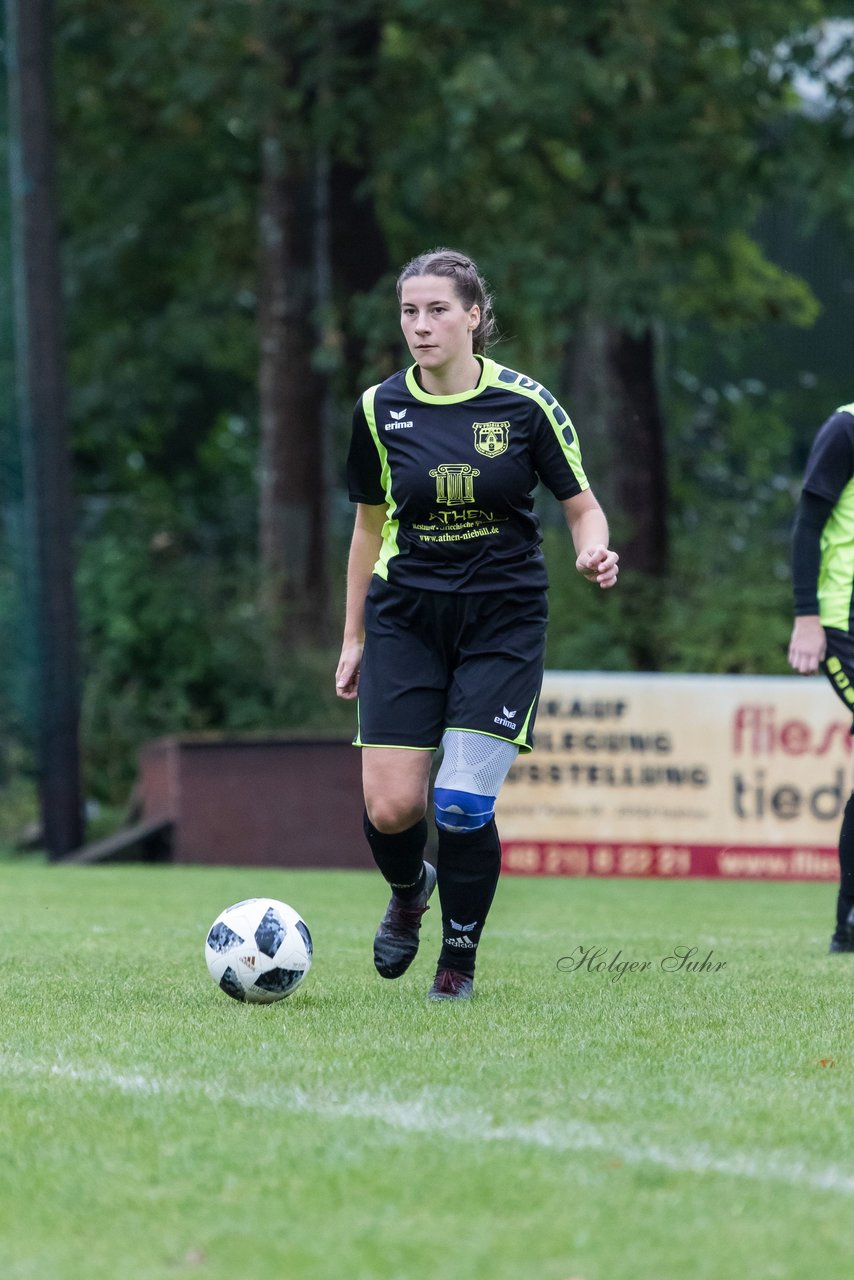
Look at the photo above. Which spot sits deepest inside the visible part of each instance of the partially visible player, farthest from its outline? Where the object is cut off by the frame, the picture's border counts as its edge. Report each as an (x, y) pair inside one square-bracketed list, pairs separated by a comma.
[(446, 602), (823, 580)]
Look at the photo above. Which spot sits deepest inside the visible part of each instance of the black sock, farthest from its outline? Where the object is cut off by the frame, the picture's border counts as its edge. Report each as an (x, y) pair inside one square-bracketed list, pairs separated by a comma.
[(845, 899), (400, 856), (468, 865)]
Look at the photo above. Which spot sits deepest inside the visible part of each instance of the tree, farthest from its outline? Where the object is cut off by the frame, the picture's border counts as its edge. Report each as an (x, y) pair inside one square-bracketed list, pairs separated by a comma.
[(606, 163), (229, 143), (293, 460), (39, 362), (315, 249)]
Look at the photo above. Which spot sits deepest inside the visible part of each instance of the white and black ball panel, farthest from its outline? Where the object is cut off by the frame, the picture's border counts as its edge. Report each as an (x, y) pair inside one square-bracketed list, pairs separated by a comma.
[(258, 950), (270, 933), (230, 984), (302, 928), (222, 938)]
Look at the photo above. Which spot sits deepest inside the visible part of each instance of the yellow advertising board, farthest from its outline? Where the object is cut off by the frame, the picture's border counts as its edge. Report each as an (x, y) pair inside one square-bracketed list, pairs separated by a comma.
[(744, 777)]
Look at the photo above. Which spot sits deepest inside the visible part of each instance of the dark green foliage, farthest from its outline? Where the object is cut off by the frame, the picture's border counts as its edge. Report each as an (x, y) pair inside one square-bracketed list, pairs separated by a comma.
[(606, 156), (725, 604), (158, 160), (644, 162), (175, 642)]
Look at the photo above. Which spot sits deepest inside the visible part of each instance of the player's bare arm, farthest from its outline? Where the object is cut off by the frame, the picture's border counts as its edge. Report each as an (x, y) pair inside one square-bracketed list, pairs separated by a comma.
[(588, 526), (364, 553)]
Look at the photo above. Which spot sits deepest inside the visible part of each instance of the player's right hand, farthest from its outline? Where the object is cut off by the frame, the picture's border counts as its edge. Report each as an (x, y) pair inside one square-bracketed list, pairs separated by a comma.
[(347, 674)]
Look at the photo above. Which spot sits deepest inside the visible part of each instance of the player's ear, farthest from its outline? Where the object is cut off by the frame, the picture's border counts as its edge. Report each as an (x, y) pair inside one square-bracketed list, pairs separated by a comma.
[(474, 317)]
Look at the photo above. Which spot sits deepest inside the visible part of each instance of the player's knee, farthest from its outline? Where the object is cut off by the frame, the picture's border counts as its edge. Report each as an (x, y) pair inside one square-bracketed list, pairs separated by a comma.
[(391, 814), (461, 810)]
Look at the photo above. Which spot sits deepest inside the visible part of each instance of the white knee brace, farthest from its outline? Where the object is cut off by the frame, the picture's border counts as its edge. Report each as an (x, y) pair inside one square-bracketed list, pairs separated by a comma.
[(470, 776)]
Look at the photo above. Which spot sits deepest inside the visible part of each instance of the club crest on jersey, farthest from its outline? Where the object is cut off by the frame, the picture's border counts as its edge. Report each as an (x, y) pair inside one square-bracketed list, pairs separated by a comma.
[(491, 438)]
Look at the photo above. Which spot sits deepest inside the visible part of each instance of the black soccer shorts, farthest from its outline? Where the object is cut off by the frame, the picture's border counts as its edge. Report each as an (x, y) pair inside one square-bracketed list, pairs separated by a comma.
[(450, 660), (838, 665)]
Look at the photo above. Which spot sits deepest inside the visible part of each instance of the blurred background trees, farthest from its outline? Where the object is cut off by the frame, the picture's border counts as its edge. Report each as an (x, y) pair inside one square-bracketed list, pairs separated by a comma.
[(661, 197)]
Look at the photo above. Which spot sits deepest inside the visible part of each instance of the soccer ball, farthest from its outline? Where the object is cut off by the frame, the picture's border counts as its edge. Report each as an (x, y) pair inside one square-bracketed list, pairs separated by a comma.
[(258, 950)]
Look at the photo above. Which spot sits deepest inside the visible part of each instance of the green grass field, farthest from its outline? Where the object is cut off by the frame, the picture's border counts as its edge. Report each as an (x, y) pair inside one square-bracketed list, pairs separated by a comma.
[(563, 1125)]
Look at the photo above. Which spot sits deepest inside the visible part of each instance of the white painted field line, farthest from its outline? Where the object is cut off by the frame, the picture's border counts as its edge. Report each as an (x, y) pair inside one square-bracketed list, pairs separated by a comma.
[(428, 1113)]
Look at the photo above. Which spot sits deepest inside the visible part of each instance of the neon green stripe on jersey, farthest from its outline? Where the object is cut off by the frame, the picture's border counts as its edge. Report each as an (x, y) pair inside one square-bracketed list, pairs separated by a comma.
[(836, 575), (389, 547), (571, 451)]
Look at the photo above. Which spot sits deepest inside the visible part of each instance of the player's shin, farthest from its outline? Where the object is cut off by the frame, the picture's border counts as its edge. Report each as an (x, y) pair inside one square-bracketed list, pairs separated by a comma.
[(845, 900), (469, 863), (399, 856)]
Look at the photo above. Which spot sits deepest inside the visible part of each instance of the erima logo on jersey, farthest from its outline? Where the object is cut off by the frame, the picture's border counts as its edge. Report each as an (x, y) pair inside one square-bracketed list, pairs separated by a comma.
[(507, 719), (398, 424)]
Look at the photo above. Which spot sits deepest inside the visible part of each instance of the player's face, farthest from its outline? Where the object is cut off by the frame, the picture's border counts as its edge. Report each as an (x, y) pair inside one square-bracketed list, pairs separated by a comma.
[(436, 325)]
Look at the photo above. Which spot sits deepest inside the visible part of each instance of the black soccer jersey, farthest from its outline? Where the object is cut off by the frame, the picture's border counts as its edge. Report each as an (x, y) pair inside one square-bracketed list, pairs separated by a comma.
[(830, 475), (457, 475)]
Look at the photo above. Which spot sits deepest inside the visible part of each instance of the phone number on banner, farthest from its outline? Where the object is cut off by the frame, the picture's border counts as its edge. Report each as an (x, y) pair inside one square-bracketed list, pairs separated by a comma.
[(540, 858)]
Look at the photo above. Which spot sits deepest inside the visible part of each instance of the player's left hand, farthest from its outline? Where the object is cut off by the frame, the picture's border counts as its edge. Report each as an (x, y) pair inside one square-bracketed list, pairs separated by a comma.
[(808, 644), (600, 565)]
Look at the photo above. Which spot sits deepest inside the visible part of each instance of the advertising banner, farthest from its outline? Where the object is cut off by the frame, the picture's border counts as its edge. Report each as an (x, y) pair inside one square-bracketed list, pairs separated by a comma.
[(744, 777)]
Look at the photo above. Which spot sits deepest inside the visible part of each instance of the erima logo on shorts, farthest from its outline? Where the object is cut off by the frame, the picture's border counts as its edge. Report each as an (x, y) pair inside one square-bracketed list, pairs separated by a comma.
[(398, 424), (507, 719)]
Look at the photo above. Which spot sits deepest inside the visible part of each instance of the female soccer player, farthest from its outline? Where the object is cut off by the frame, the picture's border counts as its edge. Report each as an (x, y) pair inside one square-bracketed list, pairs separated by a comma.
[(823, 581), (446, 602)]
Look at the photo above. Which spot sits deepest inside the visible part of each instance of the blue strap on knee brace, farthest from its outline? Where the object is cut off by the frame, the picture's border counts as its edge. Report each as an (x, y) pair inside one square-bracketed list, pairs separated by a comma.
[(461, 810)]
